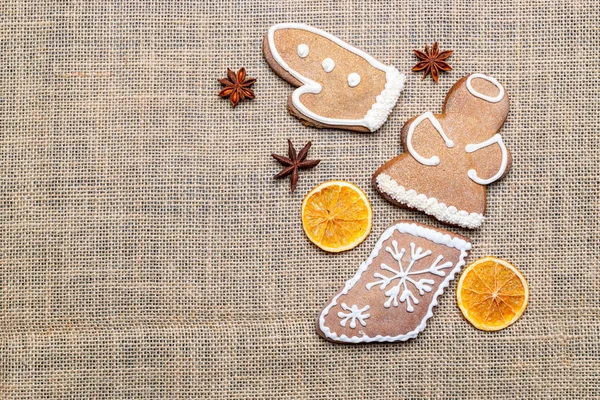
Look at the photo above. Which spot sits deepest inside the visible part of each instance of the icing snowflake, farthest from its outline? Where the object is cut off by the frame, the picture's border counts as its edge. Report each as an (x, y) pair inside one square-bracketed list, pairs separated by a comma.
[(354, 314), (403, 277)]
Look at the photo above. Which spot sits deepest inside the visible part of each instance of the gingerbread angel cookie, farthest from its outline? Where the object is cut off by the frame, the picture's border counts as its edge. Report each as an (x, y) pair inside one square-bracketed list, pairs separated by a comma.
[(339, 86), (394, 292), (450, 157)]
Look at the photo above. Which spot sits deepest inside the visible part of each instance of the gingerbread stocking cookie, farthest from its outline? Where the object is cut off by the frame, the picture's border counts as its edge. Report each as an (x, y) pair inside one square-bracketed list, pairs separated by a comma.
[(450, 157), (395, 290), (339, 86)]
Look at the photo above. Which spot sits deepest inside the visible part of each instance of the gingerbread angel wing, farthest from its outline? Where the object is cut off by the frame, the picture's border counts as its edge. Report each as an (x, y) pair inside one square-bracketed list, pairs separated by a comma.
[(339, 86), (450, 157)]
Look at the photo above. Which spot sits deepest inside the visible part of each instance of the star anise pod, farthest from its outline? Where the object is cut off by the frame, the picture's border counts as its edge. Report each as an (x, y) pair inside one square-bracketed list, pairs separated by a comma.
[(237, 87), (432, 61), (294, 163)]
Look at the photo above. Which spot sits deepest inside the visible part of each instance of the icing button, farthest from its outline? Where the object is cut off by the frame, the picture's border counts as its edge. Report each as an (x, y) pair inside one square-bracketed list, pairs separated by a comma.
[(328, 64), (302, 50), (353, 79)]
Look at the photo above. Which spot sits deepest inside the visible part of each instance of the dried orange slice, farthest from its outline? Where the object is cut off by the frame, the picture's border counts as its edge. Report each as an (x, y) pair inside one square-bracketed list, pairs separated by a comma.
[(336, 216), (492, 294)]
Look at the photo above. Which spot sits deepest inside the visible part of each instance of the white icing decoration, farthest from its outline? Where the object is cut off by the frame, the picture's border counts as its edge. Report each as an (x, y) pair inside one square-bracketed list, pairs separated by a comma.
[(302, 50), (353, 79), (403, 275), (384, 103), (429, 205), (414, 230), (470, 148), (328, 64), (435, 160), (354, 314), (475, 93)]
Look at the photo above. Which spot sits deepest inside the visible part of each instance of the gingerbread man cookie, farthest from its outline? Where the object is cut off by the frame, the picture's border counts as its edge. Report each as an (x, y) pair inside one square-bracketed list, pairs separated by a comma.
[(339, 86), (394, 292), (451, 157)]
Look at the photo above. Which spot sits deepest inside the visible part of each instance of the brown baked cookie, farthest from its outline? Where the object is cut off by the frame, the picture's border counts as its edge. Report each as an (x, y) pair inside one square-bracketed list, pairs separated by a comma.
[(339, 86), (394, 292), (450, 157)]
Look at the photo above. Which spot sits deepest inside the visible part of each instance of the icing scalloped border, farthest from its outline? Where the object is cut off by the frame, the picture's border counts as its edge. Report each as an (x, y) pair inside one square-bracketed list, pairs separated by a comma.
[(429, 205), (414, 230), (384, 103)]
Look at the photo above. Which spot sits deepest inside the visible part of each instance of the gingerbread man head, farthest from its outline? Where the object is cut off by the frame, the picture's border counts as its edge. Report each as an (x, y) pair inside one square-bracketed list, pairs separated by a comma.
[(450, 157)]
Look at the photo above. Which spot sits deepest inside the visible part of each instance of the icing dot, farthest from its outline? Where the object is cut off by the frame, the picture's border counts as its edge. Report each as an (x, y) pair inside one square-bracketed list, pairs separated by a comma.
[(328, 65), (302, 50), (353, 79)]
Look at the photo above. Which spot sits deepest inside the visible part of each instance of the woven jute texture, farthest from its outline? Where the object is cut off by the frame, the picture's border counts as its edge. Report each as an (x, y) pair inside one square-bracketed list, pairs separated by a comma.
[(147, 252)]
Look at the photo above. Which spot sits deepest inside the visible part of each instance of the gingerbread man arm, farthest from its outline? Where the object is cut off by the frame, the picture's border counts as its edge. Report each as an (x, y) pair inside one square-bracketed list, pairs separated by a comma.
[(473, 147)]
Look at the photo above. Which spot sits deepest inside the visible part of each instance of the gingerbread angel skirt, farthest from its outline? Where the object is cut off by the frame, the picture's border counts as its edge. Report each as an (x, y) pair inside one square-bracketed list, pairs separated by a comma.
[(450, 157)]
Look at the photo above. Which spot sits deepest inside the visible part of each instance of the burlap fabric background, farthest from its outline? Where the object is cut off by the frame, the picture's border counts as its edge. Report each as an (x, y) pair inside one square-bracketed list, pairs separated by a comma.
[(147, 252)]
